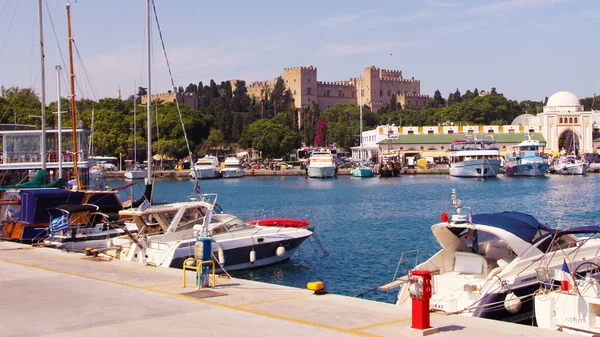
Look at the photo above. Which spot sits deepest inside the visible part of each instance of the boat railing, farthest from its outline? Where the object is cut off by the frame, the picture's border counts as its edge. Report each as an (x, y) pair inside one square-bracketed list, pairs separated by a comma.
[(402, 268)]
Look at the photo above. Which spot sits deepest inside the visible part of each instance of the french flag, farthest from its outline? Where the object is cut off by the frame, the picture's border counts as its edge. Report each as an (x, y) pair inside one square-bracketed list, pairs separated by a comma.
[(564, 276)]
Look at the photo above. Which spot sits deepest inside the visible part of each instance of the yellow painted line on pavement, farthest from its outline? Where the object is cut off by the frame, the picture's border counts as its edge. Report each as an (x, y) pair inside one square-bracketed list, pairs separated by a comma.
[(227, 306), (275, 300), (381, 324)]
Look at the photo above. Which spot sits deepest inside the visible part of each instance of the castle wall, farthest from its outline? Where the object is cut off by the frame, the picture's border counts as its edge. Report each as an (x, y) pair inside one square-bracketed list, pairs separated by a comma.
[(330, 94), (188, 98)]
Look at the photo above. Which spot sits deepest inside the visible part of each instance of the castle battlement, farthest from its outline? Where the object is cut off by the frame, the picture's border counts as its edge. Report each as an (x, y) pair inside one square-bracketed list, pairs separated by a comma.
[(259, 84), (310, 67), (411, 80), (414, 95), (338, 83)]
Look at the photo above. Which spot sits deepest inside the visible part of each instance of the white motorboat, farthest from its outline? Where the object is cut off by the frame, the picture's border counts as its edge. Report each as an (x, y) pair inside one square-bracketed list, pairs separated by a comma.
[(135, 172), (526, 159), (97, 172), (232, 168), (573, 307), (475, 158), (489, 263), (206, 167), (321, 164), (569, 166), (168, 239)]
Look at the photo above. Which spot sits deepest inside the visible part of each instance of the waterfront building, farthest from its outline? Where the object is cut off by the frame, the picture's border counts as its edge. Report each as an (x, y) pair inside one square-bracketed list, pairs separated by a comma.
[(562, 127)]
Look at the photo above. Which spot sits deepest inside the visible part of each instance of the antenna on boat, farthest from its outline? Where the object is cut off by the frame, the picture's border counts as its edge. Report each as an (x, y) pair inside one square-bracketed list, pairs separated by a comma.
[(455, 201)]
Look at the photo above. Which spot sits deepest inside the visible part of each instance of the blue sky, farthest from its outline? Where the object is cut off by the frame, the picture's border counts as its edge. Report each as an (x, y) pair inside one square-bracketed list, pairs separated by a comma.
[(527, 49)]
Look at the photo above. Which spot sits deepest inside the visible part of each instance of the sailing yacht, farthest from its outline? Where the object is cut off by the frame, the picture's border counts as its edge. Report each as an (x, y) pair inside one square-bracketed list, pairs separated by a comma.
[(362, 169)]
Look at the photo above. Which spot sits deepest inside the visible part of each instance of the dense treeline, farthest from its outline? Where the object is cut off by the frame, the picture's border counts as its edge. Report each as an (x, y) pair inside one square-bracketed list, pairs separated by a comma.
[(227, 115)]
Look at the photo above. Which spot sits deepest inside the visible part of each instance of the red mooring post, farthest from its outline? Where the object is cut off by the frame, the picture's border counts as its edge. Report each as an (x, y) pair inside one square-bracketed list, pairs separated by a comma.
[(420, 292)]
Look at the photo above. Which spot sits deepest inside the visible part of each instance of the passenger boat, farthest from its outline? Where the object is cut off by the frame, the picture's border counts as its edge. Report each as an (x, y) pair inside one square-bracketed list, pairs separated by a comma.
[(489, 263), (526, 159), (206, 167), (170, 234), (574, 306), (321, 164), (475, 158), (232, 168)]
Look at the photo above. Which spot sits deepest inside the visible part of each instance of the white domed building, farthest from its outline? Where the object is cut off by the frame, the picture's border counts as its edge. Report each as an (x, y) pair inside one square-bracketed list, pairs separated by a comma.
[(565, 125)]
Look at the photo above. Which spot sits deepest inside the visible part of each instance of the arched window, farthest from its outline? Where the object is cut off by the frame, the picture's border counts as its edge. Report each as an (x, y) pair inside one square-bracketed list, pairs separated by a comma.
[(560, 120), (575, 120), (570, 120)]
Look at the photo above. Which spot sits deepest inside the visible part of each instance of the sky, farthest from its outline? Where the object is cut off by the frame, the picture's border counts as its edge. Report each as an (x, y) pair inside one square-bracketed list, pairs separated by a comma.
[(526, 49)]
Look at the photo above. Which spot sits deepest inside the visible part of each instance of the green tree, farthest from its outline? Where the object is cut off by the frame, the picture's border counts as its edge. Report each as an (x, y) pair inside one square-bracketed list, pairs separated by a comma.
[(271, 138)]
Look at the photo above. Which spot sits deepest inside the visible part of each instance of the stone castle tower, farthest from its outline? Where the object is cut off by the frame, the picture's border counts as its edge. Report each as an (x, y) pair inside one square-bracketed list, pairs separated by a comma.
[(379, 87)]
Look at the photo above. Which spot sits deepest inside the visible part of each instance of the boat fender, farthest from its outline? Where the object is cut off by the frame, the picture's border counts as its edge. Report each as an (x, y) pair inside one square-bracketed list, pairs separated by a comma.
[(252, 256), (315, 286), (280, 251), (221, 256), (512, 303)]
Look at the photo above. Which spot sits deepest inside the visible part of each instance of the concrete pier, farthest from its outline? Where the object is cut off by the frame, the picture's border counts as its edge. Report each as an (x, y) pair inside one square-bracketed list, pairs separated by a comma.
[(47, 292)]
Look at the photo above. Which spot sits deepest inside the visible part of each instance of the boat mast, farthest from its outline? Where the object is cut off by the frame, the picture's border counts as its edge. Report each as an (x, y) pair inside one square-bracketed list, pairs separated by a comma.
[(91, 149), (149, 97), (42, 56), (59, 112), (73, 105), (361, 128), (134, 127)]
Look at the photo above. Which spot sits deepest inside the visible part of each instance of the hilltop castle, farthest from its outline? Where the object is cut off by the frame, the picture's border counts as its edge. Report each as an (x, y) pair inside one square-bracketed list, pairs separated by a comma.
[(378, 87)]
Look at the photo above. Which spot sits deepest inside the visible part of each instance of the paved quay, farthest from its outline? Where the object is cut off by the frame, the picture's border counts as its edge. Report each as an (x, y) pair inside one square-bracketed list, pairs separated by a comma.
[(47, 292)]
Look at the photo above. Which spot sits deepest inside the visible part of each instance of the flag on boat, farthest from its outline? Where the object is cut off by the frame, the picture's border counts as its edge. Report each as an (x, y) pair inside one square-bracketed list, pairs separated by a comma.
[(144, 205), (564, 276), (58, 224)]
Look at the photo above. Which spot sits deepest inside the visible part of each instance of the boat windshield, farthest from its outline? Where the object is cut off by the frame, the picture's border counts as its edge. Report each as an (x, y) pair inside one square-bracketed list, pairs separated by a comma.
[(191, 216), (204, 163), (228, 227), (490, 246)]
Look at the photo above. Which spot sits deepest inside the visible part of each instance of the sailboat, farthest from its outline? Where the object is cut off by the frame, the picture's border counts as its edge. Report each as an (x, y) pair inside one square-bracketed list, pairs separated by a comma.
[(135, 171), (88, 215), (362, 170), (168, 233)]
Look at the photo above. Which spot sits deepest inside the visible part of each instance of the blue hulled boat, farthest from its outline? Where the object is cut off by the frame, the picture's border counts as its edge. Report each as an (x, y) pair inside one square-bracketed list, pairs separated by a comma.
[(526, 160)]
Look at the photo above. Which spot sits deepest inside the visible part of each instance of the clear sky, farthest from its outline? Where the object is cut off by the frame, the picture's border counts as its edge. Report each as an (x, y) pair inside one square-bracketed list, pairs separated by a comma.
[(527, 49)]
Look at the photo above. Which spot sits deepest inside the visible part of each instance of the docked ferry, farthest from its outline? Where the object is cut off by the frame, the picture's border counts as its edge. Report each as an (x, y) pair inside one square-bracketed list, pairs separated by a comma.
[(474, 158), (526, 159)]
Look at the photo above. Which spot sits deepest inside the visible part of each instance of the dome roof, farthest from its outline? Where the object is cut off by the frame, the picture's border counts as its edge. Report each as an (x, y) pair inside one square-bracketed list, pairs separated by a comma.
[(525, 119), (563, 98)]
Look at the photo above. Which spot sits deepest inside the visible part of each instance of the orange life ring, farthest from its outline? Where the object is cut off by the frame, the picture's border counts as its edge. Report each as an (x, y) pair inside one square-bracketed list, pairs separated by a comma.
[(523, 154)]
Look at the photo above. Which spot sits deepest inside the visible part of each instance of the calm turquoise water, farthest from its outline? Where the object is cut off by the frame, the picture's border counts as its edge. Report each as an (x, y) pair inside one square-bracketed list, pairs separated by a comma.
[(366, 224)]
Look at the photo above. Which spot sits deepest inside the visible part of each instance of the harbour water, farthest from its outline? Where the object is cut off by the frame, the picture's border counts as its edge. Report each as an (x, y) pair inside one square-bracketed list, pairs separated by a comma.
[(366, 224)]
